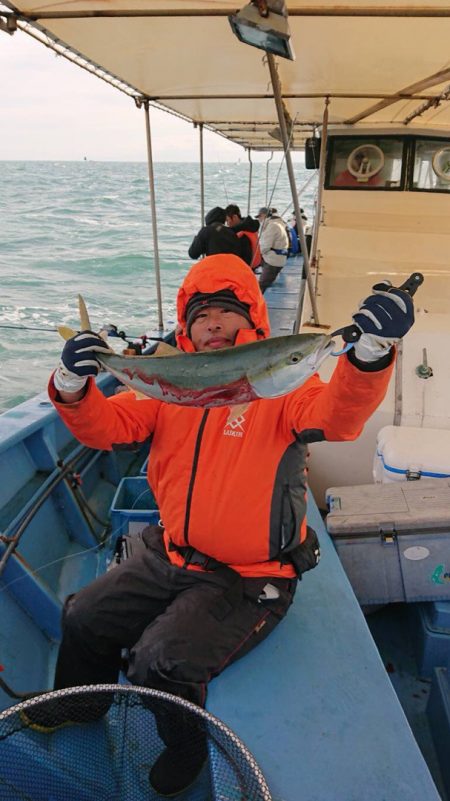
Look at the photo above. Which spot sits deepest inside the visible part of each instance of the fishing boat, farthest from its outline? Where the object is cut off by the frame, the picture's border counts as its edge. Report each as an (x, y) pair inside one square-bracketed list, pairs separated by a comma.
[(366, 98)]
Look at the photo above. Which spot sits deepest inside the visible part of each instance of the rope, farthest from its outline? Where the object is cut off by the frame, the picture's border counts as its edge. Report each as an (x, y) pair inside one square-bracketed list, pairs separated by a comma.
[(97, 547)]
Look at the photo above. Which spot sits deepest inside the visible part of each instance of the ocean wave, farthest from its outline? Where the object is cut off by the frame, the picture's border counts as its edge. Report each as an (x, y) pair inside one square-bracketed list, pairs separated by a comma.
[(86, 227)]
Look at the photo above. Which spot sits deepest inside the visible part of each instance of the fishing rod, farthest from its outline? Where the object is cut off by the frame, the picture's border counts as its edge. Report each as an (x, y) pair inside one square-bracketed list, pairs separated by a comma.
[(276, 180), (300, 191), (113, 332), (221, 175)]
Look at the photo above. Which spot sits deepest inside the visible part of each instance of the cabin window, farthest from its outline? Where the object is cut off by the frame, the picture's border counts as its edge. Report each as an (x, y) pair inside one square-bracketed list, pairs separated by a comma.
[(431, 165), (365, 163)]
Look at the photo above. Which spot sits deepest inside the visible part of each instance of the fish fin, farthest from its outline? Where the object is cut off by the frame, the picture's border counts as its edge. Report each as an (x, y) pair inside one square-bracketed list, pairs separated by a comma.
[(104, 335), (84, 316), (65, 332), (236, 412), (164, 349), (140, 395)]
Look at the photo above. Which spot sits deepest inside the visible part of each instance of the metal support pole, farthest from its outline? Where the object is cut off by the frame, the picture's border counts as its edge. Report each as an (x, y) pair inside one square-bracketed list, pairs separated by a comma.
[(267, 178), (202, 178), (322, 159), (298, 216), (151, 181), (250, 171)]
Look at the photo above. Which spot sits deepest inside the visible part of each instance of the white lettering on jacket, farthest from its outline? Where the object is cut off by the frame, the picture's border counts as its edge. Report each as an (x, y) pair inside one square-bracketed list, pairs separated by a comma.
[(234, 426)]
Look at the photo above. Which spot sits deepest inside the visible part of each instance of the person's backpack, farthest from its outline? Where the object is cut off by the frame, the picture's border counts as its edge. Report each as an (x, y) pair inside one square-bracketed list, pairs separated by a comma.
[(294, 244)]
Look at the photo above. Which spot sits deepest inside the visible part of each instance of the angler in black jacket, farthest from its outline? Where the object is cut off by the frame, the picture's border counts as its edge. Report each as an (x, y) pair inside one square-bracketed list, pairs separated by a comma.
[(215, 237)]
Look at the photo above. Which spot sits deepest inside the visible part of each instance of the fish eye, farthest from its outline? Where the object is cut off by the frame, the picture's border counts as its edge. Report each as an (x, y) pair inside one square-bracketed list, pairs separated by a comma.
[(294, 358)]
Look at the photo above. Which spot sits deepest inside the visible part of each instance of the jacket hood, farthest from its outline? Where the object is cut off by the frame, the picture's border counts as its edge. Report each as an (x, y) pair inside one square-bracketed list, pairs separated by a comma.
[(216, 215), (224, 271)]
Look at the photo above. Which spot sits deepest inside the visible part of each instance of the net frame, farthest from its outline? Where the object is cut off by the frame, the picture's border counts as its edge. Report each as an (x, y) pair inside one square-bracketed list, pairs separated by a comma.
[(220, 738)]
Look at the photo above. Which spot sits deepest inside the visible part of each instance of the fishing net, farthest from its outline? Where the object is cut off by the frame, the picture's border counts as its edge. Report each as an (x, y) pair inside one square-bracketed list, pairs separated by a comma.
[(101, 743)]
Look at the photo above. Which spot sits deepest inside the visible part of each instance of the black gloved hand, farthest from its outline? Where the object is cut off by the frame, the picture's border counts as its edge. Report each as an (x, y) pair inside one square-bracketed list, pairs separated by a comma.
[(384, 318), (79, 361)]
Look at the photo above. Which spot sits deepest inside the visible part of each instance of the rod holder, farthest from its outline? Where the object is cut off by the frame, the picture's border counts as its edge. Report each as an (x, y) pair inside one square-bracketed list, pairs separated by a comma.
[(424, 370)]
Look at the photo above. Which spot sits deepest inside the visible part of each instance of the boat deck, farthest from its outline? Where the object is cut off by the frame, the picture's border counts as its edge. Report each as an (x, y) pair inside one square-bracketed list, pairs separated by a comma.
[(283, 297), (315, 705)]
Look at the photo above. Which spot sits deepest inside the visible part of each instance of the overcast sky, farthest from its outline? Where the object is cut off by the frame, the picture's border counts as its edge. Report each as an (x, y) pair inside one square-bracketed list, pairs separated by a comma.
[(51, 109)]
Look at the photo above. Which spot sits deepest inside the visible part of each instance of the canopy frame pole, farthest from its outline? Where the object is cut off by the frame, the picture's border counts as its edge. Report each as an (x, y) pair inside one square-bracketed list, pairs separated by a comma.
[(407, 91), (313, 262), (250, 173), (202, 176), (379, 10), (151, 181), (267, 178), (298, 216)]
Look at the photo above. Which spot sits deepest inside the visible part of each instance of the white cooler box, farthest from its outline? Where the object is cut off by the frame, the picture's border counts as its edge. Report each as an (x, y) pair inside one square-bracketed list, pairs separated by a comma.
[(408, 453), (393, 539)]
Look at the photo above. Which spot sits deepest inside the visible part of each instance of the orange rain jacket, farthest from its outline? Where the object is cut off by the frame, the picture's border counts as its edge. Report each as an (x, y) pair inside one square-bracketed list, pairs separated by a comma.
[(231, 488), (253, 238)]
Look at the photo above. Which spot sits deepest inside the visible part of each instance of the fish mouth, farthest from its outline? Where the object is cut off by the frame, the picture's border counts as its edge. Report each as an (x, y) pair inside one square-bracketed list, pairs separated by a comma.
[(273, 383), (317, 357)]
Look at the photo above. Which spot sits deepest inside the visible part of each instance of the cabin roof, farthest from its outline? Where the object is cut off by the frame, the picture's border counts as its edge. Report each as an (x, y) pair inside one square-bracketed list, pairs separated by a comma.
[(379, 63)]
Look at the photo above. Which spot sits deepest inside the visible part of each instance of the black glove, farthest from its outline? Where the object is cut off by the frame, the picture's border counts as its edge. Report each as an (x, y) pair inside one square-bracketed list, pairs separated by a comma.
[(384, 318), (79, 360)]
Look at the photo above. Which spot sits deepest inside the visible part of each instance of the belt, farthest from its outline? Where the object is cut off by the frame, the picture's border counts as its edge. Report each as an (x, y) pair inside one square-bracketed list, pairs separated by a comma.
[(280, 251), (232, 592), (193, 557)]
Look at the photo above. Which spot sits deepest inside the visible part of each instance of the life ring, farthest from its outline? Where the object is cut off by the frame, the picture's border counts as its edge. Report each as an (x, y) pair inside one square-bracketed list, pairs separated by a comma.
[(441, 164), (365, 161)]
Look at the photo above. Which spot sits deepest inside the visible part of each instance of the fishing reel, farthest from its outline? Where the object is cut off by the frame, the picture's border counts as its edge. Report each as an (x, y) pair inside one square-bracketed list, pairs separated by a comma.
[(112, 331), (351, 333)]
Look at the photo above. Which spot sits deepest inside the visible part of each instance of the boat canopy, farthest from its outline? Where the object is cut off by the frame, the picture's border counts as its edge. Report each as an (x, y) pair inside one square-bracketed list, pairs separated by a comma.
[(380, 65)]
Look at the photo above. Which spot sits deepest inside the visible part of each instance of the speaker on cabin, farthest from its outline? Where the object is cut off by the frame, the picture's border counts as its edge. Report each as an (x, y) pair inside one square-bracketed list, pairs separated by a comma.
[(312, 153)]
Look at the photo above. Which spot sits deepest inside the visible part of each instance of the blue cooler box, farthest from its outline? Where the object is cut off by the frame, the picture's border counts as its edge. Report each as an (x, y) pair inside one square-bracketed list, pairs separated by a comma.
[(133, 507), (393, 539)]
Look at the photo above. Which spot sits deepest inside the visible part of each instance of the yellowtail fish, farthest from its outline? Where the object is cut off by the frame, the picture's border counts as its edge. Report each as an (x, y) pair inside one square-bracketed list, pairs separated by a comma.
[(264, 369)]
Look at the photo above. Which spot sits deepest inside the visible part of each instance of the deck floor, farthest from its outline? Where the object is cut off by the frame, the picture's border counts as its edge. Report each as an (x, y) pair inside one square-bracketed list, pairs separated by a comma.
[(337, 660), (390, 627)]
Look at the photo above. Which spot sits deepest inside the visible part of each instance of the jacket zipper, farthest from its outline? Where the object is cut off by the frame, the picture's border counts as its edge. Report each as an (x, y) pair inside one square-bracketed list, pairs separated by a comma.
[(285, 501), (193, 474)]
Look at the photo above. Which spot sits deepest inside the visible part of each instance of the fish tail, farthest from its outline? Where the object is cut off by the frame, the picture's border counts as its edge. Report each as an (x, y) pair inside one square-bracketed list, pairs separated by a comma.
[(85, 322)]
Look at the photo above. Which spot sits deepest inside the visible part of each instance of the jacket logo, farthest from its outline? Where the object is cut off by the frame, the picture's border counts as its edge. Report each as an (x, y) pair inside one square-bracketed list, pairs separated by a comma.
[(234, 427)]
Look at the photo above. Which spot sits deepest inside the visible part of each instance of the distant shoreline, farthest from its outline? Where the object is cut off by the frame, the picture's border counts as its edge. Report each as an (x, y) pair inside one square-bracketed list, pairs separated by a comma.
[(215, 162)]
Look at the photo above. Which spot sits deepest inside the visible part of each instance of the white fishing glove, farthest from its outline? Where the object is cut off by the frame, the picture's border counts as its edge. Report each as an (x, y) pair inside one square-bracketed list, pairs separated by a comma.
[(384, 318), (79, 361)]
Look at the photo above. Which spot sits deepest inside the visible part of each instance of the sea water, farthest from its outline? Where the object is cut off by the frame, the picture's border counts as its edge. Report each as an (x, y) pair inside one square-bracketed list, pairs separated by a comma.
[(85, 227)]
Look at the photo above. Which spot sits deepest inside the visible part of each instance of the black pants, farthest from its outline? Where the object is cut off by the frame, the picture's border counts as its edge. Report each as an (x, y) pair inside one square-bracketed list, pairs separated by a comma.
[(166, 616), (268, 275)]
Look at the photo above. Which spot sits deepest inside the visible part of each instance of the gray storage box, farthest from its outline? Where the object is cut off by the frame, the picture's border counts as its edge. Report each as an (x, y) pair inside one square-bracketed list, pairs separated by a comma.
[(393, 539)]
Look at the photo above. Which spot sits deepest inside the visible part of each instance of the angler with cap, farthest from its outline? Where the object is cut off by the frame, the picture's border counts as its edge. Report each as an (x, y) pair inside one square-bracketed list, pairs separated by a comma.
[(274, 244), (230, 484)]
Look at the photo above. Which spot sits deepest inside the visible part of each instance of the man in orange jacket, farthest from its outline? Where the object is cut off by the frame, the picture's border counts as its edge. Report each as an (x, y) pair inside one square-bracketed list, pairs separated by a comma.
[(231, 490)]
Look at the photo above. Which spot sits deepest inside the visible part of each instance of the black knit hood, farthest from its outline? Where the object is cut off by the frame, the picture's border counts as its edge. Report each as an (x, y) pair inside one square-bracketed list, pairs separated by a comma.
[(216, 215)]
